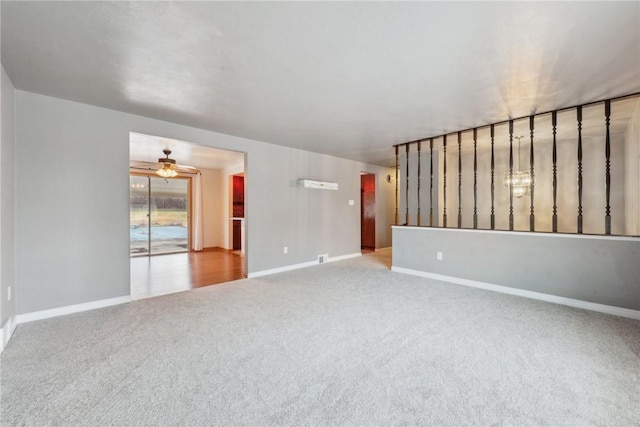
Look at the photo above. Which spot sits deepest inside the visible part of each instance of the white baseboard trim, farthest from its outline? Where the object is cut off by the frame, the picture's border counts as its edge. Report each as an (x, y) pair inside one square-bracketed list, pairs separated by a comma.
[(301, 265), (7, 331), (602, 308), (69, 309)]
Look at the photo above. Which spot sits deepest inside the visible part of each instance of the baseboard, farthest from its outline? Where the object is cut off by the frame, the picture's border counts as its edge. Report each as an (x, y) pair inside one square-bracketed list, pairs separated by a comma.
[(7, 331), (602, 308), (383, 249), (69, 309), (301, 265)]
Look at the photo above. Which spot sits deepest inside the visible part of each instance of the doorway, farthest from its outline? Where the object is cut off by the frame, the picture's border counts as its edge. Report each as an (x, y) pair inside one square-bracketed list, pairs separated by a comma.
[(367, 211), (185, 219), (158, 215), (237, 213)]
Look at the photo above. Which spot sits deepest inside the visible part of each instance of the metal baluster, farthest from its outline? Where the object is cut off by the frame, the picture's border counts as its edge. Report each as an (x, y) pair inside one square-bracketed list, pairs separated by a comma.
[(475, 178), (444, 181), (579, 116), (459, 179), (493, 183), (510, 174), (431, 182), (532, 218), (554, 123), (406, 219), (397, 167), (419, 149), (607, 179)]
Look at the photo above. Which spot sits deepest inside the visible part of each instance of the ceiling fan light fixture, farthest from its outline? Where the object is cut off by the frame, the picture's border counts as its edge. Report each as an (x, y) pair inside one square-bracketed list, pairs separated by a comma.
[(167, 171), (168, 166)]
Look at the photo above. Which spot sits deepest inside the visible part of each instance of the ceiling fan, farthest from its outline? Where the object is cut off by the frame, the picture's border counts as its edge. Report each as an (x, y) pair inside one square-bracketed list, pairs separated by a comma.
[(166, 167)]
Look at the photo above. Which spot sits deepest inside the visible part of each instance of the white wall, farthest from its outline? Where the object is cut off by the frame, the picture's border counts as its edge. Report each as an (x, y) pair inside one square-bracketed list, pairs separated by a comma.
[(632, 174), (7, 201), (597, 269), (73, 224)]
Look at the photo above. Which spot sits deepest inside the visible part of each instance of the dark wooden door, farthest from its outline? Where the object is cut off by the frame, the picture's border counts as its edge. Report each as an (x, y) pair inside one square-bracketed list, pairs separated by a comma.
[(368, 211)]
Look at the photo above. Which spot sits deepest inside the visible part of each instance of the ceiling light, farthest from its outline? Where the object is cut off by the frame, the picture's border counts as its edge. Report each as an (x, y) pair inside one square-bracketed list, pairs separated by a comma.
[(168, 169)]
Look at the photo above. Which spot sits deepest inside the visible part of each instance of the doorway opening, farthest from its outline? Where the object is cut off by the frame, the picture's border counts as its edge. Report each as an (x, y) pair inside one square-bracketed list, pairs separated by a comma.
[(367, 212), (179, 225)]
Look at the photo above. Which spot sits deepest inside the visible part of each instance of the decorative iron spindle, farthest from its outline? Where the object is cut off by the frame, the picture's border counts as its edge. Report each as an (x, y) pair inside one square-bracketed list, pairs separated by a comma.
[(459, 179), (493, 182), (532, 218), (419, 149), (406, 196), (475, 178), (554, 122), (579, 117), (607, 170), (510, 175), (444, 182), (397, 167), (431, 182)]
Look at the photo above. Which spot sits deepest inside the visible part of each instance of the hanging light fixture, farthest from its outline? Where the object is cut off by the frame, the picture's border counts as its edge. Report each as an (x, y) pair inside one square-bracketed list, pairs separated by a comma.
[(520, 181), (168, 169)]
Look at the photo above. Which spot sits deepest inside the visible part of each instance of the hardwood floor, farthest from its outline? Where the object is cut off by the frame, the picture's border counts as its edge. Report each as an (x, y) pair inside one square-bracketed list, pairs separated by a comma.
[(165, 274)]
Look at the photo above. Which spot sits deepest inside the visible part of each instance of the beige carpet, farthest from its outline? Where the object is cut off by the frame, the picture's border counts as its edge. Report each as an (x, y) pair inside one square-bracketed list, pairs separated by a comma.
[(345, 343)]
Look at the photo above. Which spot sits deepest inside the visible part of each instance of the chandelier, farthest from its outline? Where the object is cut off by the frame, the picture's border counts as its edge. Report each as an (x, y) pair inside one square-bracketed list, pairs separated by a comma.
[(519, 180)]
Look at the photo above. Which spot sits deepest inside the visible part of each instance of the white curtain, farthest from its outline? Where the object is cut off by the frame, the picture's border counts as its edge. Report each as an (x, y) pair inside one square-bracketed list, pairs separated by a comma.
[(198, 234)]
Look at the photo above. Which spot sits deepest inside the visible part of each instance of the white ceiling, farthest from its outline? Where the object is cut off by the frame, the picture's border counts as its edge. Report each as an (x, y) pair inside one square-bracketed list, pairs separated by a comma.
[(343, 78), (148, 148)]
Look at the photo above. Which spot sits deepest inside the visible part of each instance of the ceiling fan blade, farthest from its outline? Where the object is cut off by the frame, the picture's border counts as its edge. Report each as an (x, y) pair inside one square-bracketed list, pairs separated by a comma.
[(152, 166), (187, 168)]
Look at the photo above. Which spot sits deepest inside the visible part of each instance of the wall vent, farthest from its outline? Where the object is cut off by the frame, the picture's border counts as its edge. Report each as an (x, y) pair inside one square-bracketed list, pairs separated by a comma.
[(322, 258)]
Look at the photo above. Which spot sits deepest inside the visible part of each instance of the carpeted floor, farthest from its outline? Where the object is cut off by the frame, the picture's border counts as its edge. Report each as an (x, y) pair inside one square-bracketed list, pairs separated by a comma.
[(345, 343)]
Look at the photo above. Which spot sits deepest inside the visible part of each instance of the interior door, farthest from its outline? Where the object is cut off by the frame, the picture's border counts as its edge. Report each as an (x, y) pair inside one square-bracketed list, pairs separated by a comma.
[(368, 211)]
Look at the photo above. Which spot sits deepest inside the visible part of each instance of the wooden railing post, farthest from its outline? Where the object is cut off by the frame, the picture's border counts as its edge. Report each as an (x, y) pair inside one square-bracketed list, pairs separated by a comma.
[(554, 122), (607, 176), (459, 179), (406, 196), (493, 181), (579, 117), (444, 182), (475, 178), (419, 168), (397, 167), (510, 175), (532, 218), (431, 182)]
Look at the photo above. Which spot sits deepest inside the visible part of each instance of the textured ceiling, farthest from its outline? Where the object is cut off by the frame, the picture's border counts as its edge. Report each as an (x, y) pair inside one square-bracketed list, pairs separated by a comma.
[(346, 79)]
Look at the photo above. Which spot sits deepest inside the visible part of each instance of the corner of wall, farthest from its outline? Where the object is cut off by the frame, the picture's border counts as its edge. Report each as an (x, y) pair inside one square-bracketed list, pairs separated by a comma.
[(6, 332)]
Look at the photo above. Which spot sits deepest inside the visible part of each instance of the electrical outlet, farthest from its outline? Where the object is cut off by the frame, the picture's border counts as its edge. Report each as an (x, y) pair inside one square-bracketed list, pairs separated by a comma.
[(439, 256), (286, 250), (352, 202), (9, 293)]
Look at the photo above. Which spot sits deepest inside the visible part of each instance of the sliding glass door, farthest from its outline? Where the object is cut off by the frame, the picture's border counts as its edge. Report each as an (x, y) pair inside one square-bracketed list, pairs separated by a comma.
[(159, 215)]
